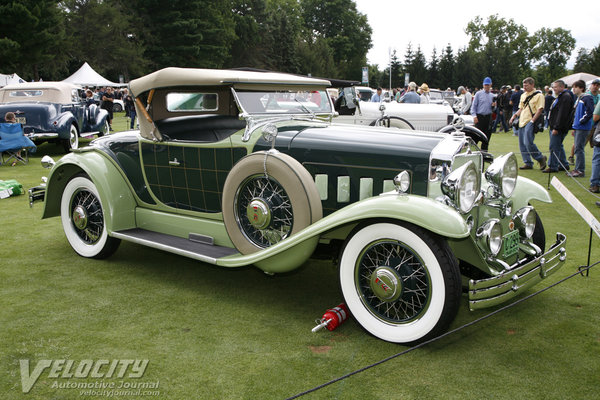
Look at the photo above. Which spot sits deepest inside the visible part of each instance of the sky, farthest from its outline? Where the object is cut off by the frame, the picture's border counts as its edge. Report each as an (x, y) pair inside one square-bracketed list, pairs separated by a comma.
[(395, 23)]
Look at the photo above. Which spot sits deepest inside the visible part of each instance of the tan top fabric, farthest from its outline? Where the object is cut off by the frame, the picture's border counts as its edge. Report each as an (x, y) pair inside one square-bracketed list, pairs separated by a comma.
[(535, 104), (169, 77), (53, 92)]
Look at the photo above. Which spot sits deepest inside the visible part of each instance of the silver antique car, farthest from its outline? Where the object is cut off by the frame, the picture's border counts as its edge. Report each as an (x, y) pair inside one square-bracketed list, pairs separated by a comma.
[(238, 168)]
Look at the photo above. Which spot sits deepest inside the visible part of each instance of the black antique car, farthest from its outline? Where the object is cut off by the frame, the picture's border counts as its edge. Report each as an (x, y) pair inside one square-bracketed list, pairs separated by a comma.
[(235, 168), (53, 111)]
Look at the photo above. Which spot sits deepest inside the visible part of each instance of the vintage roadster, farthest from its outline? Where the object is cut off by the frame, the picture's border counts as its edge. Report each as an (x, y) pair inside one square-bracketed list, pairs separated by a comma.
[(53, 111), (234, 168)]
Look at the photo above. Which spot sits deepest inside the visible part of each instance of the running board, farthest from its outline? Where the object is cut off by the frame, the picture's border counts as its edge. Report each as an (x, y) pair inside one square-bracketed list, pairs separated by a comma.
[(87, 135), (194, 248)]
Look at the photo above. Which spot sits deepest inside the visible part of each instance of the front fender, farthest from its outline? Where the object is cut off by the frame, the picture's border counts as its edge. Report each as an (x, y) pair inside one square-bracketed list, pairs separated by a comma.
[(527, 190), (421, 211), (115, 195)]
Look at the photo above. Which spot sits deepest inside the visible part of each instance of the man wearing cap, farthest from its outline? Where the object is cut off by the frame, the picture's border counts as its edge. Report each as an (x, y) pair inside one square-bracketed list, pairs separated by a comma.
[(531, 107), (595, 91), (481, 109)]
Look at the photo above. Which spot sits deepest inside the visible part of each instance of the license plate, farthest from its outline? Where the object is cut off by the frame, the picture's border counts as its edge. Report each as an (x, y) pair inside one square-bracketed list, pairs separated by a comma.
[(21, 120), (510, 244)]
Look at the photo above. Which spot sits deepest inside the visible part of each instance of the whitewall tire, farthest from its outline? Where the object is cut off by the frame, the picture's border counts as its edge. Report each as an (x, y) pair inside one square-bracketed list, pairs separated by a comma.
[(83, 219), (400, 282)]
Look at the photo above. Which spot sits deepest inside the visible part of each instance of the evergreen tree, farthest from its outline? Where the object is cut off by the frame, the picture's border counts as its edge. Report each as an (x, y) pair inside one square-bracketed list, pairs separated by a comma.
[(446, 73), (32, 39), (433, 74)]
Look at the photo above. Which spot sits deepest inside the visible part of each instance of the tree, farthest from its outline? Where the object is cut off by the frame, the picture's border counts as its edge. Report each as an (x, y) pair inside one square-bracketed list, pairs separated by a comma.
[(504, 47), (552, 48), (106, 38), (418, 68), (346, 31), (250, 21), (433, 76), (185, 33), (33, 38), (446, 68)]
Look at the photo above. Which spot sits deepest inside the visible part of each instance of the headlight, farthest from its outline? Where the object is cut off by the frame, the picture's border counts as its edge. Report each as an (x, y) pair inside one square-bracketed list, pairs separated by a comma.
[(525, 221), (402, 182), (490, 236), (502, 175), (462, 186)]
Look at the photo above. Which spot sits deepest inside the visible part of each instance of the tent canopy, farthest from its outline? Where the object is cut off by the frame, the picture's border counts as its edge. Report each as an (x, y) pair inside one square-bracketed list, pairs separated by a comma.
[(86, 76), (570, 79), (10, 79)]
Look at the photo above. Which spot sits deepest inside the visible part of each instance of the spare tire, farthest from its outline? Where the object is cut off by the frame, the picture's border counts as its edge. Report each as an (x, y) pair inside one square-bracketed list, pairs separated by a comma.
[(268, 196)]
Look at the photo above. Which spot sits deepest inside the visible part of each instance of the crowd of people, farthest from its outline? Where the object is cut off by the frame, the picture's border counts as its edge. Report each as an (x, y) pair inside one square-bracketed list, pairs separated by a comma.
[(105, 97), (527, 111)]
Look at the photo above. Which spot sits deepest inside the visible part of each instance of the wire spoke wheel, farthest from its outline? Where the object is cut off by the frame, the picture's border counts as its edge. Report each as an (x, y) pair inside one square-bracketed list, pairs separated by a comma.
[(400, 282), (84, 221), (263, 211), (393, 282), (87, 217)]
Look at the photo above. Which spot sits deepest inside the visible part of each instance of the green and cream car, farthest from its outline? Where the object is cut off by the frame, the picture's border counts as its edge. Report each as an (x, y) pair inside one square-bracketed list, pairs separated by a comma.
[(234, 168)]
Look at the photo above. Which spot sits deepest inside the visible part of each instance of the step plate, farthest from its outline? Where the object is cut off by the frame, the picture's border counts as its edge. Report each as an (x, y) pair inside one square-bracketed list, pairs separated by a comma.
[(174, 244)]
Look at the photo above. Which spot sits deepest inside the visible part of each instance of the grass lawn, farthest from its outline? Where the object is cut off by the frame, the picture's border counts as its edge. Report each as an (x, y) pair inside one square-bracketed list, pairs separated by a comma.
[(213, 333)]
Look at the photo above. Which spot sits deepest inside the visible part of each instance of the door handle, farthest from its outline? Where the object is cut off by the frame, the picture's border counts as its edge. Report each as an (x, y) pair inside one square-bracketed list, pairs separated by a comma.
[(174, 163)]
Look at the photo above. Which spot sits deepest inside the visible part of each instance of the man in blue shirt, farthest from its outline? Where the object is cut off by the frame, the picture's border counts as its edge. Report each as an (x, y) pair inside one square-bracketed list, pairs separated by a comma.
[(411, 96), (377, 96), (481, 109), (515, 99)]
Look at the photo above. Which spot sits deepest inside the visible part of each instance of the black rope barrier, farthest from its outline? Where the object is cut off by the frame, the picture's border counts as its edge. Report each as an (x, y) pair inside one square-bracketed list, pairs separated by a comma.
[(580, 271)]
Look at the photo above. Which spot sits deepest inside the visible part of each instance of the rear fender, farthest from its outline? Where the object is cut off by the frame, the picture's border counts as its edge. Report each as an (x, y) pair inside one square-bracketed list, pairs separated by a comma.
[(116, 197)]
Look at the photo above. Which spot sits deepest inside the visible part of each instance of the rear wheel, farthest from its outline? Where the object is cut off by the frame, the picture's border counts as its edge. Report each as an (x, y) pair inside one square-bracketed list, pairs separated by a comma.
[(73, 141), (83, 220), (400, 282)]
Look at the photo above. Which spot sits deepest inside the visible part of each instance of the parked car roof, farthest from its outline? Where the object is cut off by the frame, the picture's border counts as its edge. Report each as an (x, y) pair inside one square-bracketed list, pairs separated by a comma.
[(53, 92), (169, 77)]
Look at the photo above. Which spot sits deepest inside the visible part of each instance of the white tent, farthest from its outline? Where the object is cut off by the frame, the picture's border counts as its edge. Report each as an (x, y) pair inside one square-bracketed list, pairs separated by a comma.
[(570, 79), (10, 79), (86, 76)]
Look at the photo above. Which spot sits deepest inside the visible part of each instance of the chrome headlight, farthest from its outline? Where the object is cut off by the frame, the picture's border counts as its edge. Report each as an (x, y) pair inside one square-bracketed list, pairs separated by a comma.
[(502, 175), (490, 236), (525, 221), (462, 186), (402, 182)]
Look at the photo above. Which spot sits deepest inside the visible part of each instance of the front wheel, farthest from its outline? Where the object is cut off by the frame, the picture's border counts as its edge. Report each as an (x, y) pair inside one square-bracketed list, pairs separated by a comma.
[(83, 220), (400, 282)]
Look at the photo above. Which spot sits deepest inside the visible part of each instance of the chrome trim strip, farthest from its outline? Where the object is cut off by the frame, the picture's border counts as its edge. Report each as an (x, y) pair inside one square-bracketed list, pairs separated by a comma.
[(42, 135), (160, 246), (498, 289)]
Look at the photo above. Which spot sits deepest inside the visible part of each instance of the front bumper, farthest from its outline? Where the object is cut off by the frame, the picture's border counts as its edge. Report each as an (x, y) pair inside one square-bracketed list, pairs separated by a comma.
[(519, 277), (37, 193)]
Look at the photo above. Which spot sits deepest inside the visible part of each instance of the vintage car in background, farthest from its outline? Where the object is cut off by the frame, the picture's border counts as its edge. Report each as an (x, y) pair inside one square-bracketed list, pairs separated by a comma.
[(235, 168), (53, 112), (427, 117)]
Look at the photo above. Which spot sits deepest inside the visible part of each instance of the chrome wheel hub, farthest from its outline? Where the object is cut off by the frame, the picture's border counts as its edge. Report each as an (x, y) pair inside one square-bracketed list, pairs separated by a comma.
[(386, 284), (258, 213), (80, 217)]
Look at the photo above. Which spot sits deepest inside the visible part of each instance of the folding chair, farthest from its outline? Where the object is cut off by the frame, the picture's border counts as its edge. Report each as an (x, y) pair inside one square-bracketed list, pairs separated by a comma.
[(14, 146)]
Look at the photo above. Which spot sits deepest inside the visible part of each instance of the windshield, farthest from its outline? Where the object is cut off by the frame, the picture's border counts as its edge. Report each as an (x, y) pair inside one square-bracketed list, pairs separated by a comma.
[(285, 102)]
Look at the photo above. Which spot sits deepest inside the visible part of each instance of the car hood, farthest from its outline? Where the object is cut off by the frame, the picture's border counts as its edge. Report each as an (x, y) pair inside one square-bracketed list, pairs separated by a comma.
[(359, 151)]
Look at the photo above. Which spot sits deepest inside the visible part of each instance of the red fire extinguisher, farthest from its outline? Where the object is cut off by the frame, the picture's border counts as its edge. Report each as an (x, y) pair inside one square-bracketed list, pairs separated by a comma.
[(332, 318)]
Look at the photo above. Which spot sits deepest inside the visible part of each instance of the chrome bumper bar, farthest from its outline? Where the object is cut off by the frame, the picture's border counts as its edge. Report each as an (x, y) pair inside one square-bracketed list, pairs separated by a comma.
[(42, 135), (37, 193), (522, 275)]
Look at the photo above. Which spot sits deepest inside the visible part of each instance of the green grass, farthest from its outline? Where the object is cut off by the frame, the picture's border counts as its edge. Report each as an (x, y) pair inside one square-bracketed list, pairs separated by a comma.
[(213, 333)]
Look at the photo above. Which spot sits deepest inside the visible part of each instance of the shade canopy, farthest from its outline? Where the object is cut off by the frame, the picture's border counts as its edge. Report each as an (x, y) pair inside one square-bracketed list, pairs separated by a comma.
[(584, 76), (86, 76), (10, 79)]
